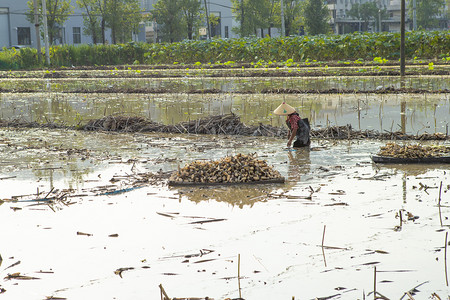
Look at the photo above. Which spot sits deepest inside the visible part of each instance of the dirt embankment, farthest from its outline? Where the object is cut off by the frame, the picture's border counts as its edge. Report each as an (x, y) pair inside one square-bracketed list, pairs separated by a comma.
[(229, 124), (121, 90)]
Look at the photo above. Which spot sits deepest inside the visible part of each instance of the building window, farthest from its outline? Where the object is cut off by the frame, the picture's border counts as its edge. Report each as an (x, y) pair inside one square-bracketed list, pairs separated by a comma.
[(76, 35), (226, 32), (215, 28), (23, 36)]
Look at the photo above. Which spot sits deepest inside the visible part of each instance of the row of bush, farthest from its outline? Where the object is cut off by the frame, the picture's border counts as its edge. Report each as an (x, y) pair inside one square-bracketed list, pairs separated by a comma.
[(362, 46)]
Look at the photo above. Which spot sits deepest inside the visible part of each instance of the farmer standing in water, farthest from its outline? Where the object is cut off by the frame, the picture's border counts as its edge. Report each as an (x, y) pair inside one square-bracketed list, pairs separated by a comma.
[(298, 127)]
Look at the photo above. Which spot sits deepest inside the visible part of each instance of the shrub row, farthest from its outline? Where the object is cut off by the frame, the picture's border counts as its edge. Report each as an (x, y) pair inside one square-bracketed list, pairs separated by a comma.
[(362, 46)]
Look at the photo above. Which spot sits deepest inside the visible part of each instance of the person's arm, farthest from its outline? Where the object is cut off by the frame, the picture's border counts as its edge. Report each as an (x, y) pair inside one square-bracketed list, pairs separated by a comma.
[(291, 138)]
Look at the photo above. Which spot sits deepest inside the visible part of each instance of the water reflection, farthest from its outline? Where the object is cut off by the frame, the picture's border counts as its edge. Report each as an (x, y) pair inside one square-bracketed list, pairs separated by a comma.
[(403, 116), (412, 176), (299, 163), (235, 195), (412, 170), (418, 113)]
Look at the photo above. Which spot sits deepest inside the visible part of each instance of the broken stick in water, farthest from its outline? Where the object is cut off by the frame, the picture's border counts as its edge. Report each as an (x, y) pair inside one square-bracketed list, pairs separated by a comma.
[(375, 283), (163, 293), (239, 274), (323, 251), (445, 259)]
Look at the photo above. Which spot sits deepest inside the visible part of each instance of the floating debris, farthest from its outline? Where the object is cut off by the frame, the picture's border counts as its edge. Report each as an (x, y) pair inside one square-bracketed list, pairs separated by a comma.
[(120, 270), (240, 168), (84, 233), (19, 277)]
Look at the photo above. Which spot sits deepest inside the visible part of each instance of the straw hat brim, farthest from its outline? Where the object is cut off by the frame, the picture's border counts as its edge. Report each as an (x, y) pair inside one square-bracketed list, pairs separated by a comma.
[(284, 110)]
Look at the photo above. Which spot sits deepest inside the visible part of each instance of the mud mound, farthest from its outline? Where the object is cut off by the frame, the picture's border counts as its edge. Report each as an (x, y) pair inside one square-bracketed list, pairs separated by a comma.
[(223, 124), (18, 123), (122, 124)]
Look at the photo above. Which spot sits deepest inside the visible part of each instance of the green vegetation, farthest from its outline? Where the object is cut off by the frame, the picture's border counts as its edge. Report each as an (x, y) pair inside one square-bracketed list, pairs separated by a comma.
[(57, 13), (349, 47), (367, 12), (316, 17), (427, 10)]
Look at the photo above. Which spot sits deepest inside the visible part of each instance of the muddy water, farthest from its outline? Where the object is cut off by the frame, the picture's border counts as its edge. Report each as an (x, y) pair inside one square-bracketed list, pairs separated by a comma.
[(412, 113), (94, 233), (122, 246)]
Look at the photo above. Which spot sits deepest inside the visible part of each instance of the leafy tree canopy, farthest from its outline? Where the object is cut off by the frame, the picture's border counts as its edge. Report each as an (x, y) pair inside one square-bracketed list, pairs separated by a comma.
[(426, 11), (168, 16), (91, 19), (192, 11), (123, 17), (367, 12), (316, 17), (293, 18), (58, 11)]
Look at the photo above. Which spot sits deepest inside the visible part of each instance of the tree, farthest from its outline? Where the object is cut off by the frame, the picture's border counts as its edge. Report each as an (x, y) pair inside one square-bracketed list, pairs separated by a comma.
[(256, 14), (316, 17), (272, 16), (364, 12), (169, 16), (100, 12), (123, 18), (426, 12), (58, 11), (192, 12), (91, 21), (248, 12), (292, 16)]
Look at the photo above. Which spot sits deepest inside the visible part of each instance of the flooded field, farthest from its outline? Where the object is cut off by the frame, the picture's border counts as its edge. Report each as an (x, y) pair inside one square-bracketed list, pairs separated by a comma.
[(411, 113), (83, 219)]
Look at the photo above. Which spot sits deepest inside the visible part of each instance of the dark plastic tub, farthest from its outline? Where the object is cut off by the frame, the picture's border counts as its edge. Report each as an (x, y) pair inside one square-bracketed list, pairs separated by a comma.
[(398, 160)]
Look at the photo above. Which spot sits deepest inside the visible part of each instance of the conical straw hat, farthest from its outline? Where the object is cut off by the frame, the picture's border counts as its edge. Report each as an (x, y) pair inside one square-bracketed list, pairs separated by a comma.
[(284, 109)]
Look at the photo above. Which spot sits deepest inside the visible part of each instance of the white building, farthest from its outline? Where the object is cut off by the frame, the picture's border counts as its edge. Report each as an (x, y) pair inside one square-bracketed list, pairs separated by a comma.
[(16, 30), (342, 23), (219, 8)]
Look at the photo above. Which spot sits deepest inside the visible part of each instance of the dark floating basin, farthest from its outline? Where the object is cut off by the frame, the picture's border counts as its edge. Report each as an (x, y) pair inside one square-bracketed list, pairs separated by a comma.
[(399, 160)]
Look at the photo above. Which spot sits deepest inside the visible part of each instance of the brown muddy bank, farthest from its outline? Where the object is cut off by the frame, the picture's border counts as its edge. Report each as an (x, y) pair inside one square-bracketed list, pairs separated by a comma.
[(229, 124), (130, 90), (261, 73)]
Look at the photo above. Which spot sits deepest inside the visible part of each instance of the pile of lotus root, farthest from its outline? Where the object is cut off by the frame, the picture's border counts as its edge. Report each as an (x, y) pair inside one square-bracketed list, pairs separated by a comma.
[(413, 151), (230, 169)]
